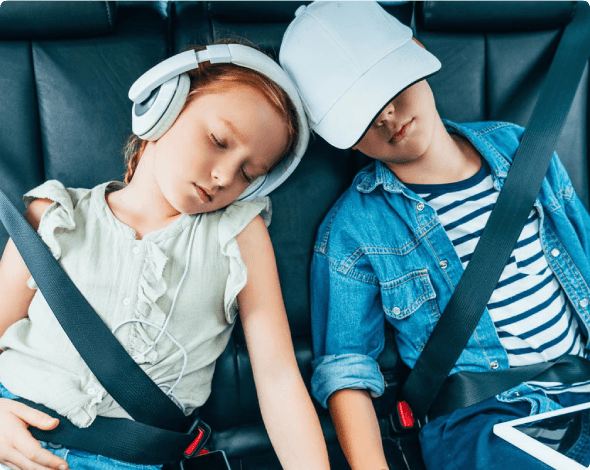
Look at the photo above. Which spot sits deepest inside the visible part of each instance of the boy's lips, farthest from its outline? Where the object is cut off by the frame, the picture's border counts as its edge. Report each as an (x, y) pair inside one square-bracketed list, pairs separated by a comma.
[(202, 193), (400, 133)]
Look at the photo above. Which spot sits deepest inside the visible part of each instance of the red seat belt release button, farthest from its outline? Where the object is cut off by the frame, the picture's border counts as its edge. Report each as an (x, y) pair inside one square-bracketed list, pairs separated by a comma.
[(203, 432), (193, 445), (405, 415)]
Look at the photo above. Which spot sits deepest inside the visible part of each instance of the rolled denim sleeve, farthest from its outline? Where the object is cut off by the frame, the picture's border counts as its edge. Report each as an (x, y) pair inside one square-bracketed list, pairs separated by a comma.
[(347, 329)]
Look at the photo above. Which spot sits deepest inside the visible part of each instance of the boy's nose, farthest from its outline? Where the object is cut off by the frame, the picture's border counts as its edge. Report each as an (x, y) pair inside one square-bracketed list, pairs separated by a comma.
[(386, 115)]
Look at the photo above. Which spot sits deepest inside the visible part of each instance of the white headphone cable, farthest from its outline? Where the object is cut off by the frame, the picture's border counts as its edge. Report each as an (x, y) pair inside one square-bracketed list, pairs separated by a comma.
[(163, 328)]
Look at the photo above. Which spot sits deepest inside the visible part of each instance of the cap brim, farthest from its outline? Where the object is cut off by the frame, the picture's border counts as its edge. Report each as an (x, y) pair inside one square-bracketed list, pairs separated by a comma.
[(347, 121)]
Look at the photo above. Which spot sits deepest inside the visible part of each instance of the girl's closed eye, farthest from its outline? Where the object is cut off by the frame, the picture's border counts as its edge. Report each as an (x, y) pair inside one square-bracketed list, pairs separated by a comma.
[(218, 142), (247, 177)]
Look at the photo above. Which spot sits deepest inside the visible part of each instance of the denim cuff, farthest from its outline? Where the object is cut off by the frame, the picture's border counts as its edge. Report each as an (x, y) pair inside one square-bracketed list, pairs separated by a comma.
[(354, 371), (5, 393)]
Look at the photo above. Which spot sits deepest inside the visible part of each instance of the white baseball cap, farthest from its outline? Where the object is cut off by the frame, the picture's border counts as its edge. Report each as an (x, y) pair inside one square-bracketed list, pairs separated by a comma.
[(349, 60)]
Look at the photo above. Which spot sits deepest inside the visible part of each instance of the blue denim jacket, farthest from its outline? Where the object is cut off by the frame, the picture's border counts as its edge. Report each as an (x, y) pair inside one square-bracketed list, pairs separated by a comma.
[(381, 252)]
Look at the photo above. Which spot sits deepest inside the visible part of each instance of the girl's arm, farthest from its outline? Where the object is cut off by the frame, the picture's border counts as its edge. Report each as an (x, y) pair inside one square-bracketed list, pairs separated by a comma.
[(15, 295), (287, 410), (18, 449), (357, 429)]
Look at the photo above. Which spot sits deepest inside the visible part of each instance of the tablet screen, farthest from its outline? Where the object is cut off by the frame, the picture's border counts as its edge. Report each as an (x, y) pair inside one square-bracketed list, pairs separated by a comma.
[(561, 433)]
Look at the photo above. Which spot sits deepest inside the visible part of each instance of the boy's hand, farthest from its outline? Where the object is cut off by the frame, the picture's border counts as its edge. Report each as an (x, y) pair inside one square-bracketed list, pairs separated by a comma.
[(357, 429), (19, 450)]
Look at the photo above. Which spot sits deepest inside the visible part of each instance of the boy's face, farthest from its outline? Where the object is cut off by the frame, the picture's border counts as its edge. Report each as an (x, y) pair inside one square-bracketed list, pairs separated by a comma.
[(403, 131)]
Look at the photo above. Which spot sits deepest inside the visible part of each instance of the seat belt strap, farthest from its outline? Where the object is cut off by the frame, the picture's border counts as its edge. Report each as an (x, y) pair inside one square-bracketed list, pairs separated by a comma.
[(509, 215), (114, 368), (464, 389), (124, 439)]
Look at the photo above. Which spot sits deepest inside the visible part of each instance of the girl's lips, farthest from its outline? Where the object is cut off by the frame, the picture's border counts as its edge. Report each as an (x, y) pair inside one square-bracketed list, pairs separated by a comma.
[(203, 195), (401, 133)]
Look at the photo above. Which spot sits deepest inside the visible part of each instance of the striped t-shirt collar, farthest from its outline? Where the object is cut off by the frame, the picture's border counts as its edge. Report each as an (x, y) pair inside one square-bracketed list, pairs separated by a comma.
[(384, 177), (444, 188)]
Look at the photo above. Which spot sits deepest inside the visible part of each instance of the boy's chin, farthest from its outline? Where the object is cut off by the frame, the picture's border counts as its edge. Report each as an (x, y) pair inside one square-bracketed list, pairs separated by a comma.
[(399, 160)]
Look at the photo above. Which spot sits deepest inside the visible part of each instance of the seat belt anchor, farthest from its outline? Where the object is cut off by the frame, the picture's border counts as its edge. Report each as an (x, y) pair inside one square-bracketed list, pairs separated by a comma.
[(402, 419), (196, 447)]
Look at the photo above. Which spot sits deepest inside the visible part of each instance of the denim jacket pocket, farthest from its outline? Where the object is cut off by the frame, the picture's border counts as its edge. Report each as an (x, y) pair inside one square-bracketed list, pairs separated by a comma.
[(404, 295)]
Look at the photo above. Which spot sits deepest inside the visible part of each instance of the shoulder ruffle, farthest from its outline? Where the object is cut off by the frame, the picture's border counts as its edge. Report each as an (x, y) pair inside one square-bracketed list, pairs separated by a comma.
[(235, 218), (59, 216)]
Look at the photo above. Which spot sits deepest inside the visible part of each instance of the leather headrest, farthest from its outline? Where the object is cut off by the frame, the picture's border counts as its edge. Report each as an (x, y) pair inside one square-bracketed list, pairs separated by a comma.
[(490, 16), (256, 12), (282, 12), (52, 20)]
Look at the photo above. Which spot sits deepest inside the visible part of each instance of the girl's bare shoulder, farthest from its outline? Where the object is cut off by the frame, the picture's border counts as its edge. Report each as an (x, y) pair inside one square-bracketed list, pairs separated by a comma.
[(35, 211)]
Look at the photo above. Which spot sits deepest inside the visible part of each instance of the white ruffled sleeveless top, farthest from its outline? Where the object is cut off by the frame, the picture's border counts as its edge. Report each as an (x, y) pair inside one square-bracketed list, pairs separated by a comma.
[(125, 279)]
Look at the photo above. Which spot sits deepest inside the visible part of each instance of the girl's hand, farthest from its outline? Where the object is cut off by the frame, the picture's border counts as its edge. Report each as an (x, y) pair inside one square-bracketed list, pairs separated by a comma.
[(19, 450)]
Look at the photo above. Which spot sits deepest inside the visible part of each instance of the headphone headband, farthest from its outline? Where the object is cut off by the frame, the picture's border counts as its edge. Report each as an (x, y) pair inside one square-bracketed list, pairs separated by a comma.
[(174, 66)]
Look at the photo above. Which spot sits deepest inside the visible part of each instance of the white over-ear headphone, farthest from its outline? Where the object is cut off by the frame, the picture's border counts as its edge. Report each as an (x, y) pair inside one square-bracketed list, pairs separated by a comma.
[(159, 94)]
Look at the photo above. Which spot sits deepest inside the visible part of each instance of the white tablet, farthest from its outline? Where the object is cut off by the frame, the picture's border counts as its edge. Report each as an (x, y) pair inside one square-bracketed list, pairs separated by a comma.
[(549, 436)]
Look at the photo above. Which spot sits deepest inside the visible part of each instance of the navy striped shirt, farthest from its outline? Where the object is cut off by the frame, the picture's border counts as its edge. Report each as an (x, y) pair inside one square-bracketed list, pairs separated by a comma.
[(529, 308)]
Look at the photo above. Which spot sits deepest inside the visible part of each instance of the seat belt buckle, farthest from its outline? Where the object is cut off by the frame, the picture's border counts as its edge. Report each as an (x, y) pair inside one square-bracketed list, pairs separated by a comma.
[(197, 446), (402, 419)]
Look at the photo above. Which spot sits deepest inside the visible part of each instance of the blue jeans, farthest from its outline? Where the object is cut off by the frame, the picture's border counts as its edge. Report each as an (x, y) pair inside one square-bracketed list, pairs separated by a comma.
[(464, 438), (81, 460)]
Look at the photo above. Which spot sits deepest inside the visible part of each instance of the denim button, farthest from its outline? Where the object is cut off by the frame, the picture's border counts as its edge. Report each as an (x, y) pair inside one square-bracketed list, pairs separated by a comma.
[(555, 252), (396, 310), (494, 365), (516, 394), (420, 206), (443, 264), (584, 303)]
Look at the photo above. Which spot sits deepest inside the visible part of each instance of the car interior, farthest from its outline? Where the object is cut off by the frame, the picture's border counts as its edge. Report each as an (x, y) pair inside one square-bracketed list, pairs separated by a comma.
[(65, 72)]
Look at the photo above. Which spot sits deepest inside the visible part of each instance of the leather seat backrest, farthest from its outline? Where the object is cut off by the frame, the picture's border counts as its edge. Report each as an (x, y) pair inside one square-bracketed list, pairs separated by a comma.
[(495, 56), (63, 89)]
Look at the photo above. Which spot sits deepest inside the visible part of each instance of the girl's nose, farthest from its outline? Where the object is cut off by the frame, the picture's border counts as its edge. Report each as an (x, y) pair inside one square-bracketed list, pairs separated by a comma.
[(222, 174)]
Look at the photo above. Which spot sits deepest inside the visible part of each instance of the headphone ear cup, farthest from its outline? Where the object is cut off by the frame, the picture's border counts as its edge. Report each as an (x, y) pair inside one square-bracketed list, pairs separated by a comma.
[(250, 191), (172, 111)]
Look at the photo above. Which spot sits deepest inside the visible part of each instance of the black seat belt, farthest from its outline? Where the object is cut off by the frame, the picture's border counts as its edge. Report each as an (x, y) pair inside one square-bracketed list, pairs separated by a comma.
[(495, 246), (466, 388), (160, 432)]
